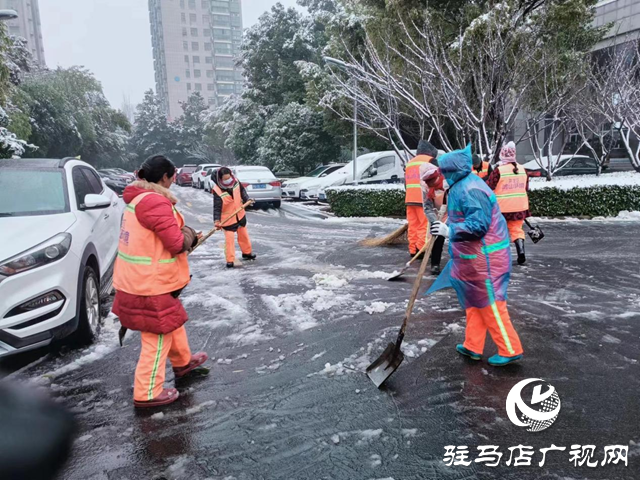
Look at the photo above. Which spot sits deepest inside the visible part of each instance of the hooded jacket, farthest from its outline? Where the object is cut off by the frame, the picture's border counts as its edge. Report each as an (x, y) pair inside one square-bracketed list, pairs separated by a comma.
[(480, 265), (217, 202), (157, 314)]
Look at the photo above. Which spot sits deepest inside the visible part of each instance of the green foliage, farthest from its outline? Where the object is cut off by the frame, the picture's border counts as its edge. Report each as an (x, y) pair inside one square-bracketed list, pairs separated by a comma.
[(598, 201), (363, 202), (601, 201)]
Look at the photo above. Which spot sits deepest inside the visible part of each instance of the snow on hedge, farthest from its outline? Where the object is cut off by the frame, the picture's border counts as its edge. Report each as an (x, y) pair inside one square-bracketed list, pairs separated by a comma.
[(371, 187), (584, 181)]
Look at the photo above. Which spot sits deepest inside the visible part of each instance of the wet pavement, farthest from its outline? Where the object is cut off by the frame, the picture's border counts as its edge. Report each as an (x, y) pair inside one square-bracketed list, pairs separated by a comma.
[(289, 337)]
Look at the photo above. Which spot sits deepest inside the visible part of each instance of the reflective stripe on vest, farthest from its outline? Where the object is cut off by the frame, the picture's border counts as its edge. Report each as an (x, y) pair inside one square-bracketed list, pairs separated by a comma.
[(484, 173), (144, 266), (413, 194), (511, 190), (230, 203)]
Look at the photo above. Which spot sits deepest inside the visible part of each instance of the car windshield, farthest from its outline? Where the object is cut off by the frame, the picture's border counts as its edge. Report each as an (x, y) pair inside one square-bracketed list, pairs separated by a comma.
[(258, 174), (32, 192), (317, 172), (188, 169)]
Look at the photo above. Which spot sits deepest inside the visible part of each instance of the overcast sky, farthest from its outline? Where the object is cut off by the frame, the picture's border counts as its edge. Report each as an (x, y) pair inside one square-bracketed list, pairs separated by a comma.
[(112, 39)]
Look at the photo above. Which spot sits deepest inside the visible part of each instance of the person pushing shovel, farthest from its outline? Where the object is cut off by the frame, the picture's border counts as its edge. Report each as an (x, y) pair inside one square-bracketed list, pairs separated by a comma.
[(480, 265)]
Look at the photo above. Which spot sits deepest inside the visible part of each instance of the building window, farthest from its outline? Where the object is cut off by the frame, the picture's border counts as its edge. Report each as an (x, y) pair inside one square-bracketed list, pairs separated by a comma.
[(211, 87), (198, 87), (212, 100), (193, 18), (194, 32), (209, 73), (195, 46), (223, 48), (223, 62), (188, 87), (206, 20), (205, 4), (206, 32), (181, 3), (207, 47), (192, 3), (185, 46), (208, 60), (196, 59), (184, 31), (187, 73), (186, 59), (183, 17), (197, 73)]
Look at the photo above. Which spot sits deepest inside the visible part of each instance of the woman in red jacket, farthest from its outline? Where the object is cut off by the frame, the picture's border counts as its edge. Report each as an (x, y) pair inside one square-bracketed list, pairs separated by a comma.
[(150, 272)]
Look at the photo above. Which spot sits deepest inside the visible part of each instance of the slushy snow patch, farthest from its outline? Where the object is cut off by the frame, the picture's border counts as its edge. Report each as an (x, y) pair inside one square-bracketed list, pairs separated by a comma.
[(377, 307), (586, 181)]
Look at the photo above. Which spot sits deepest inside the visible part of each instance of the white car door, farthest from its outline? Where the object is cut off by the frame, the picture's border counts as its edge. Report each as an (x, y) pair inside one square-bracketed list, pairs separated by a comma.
[(382, 170), (103, 230)]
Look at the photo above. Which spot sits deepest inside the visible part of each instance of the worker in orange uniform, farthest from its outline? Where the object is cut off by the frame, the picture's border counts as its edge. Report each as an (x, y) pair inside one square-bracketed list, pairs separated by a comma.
[(480, 265), (480, 167), (150, 272), (510, 184), (418, 223), (228, 197)]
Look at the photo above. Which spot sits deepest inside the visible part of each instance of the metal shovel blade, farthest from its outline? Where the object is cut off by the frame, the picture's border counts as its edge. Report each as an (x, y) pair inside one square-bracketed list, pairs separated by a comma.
[(536, 234), (385, 365), (396, 276)]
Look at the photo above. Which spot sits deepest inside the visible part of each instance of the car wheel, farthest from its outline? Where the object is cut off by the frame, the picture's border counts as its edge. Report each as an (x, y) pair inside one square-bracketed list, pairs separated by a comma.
[(89, 321), (277, 204)]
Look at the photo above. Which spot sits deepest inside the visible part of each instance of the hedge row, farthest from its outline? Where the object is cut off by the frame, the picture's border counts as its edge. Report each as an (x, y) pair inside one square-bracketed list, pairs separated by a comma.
[(605, 201)]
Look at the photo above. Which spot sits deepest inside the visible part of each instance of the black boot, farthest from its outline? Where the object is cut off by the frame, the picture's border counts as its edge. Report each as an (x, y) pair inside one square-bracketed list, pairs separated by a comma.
[(249, 256), (520, 249), (230, 264), (435, 270)]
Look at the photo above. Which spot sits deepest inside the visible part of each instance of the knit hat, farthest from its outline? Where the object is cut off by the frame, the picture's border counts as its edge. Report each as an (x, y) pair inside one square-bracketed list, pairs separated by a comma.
[(425, 148), (508, 153)]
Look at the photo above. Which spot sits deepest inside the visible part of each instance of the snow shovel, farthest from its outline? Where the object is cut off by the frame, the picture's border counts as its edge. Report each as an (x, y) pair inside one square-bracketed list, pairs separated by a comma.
[(123, 330), (392, 357), (535, 232), (407, 265)]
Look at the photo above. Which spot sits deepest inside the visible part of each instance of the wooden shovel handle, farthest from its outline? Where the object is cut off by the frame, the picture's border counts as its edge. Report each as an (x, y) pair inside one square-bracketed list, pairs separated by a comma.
[(215, 229)]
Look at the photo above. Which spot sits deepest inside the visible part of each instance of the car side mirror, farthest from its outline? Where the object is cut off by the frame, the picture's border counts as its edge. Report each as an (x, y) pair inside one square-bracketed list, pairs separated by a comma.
[(95, 202), (374, 173)]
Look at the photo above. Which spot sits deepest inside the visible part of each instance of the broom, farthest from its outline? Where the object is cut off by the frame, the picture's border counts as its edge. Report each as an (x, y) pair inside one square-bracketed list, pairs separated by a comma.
[(393, 237)]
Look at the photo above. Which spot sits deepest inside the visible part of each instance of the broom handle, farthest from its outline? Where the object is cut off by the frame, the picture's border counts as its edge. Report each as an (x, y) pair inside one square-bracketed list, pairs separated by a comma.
[(215, 229), (526, 220)]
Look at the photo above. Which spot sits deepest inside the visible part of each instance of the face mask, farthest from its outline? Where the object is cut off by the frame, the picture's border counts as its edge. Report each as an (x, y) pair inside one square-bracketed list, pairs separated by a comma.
[(228, 183)]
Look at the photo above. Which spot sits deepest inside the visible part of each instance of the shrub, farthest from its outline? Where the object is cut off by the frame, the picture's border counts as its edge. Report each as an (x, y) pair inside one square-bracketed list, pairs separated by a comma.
[(596, 201)]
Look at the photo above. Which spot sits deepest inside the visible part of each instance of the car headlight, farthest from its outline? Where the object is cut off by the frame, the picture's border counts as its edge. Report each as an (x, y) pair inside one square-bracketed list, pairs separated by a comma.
[(47, 252)]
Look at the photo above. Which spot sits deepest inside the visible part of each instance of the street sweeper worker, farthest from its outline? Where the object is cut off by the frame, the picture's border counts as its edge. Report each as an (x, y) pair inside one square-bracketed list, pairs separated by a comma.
[(417, 221), (510, 183), (228, 196), (480, 264), (150, 272), (480, 167), (433, 197)]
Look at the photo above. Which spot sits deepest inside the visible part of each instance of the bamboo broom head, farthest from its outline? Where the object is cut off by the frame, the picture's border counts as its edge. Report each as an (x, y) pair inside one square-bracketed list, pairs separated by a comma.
[(391, 239)]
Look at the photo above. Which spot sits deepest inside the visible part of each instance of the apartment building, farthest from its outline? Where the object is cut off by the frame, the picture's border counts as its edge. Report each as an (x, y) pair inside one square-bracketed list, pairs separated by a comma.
[(196, 46), (27, 25)]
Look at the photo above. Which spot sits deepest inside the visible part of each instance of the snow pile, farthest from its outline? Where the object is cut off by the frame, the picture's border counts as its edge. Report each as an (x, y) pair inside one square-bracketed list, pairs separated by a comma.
[(329, 281), (377, 307), (586, 181)]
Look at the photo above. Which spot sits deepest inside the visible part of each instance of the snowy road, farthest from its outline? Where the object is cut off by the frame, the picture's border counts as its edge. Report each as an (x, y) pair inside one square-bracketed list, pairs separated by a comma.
[(290, 333)]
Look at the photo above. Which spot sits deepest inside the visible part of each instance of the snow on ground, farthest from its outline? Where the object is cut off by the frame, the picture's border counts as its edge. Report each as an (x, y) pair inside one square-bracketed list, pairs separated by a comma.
[(377, 307), (584, 181), (623, 216)]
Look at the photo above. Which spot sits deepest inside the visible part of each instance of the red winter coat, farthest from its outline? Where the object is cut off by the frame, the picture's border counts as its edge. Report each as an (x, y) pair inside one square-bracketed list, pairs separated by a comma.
[(158, 314)]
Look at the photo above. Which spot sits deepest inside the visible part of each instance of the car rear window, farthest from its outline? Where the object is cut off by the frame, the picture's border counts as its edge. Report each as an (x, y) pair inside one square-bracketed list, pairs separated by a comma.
[(258, 174), (188, 169), (26, 192)]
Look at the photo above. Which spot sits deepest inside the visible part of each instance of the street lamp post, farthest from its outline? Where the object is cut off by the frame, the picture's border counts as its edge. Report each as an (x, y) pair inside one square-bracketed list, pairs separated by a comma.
[(8, 15), (343, 66)]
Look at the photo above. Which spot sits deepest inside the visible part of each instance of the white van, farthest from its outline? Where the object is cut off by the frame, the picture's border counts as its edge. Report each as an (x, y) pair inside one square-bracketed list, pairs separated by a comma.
[(376, 167)]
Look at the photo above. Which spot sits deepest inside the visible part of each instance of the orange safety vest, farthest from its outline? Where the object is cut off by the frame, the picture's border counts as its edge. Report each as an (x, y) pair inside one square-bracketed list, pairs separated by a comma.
[(144, 266), (511, 190), (412, 180), (230, 204), (484, 172)]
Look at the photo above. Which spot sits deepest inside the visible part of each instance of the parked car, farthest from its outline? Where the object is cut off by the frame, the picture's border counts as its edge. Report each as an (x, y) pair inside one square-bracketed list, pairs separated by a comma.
[(59, 233), (286, 174), (183, 177), (566, 165), (197, 177), (377, 167), (260, 183), (291, 188), (112, 172), (209, 179), (122, 171), (117, 184)]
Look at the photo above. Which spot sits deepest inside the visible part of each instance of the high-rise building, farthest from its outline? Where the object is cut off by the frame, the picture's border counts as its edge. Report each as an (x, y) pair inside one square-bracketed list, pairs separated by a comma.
[(196, 47), (27, 25)]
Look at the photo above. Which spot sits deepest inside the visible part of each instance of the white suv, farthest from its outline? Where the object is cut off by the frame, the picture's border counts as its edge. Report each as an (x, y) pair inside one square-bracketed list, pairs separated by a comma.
[(197, 177), (59, 232)]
